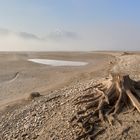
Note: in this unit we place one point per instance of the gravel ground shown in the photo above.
(47, 117)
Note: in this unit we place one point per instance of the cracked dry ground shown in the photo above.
(47, 117)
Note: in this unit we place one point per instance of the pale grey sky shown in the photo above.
(71, 25)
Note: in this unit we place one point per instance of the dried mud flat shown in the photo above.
(48, 117)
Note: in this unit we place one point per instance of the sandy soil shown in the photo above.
(18, 77)
(47, 117)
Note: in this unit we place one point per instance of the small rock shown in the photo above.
(34, 95)
(24, 134)
(33, 113)
(35, 136)
(26, 126)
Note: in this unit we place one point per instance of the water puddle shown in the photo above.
(58, 62)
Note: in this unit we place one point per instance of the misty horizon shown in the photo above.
(69, 26)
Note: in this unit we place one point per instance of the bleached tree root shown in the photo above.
(112, 95)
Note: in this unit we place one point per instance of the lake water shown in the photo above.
(58, 62)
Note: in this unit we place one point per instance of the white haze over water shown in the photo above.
(95, 37)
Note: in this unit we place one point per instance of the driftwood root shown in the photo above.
(112, 95)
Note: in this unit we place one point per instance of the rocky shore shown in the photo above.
(48, 117)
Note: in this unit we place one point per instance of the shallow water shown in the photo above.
(58, 62)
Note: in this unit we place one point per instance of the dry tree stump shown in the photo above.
(114, 94)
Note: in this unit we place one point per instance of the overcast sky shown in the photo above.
(76, 25)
